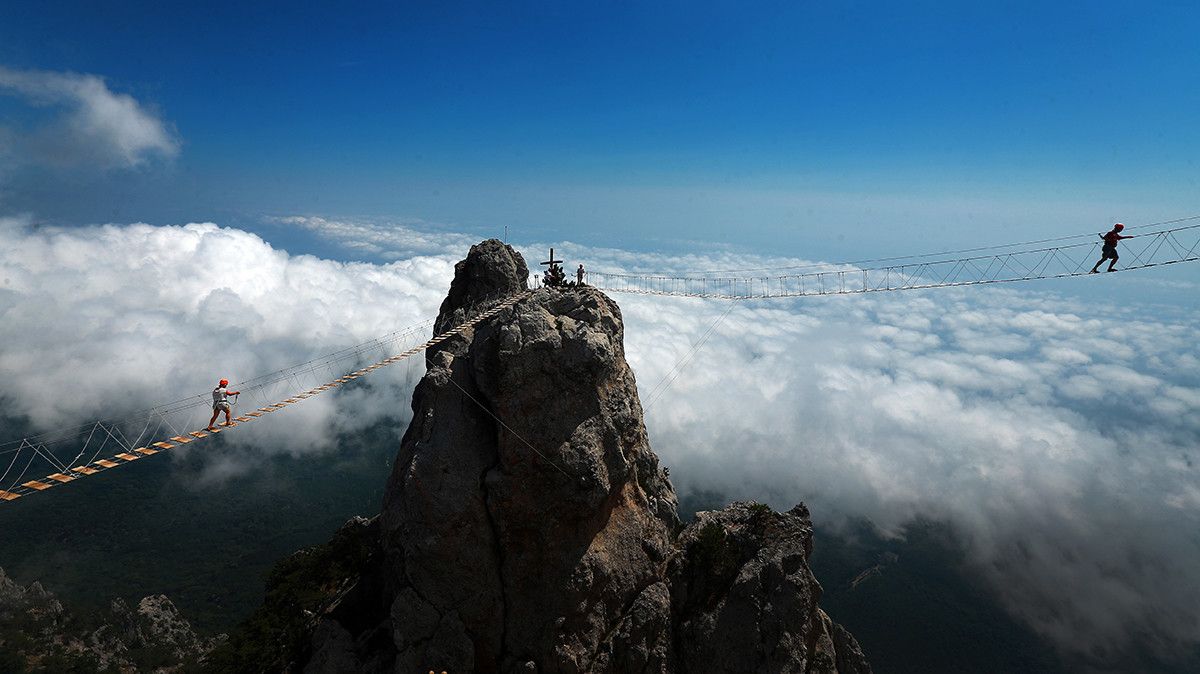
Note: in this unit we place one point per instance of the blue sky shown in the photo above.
(828, 129)
(719, 134)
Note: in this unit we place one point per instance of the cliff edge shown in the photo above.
(528, 527)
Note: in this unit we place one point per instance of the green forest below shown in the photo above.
(150, 528)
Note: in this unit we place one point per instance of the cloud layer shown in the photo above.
(1060, 436)
(389, 241)
(103, 320)
(94, 126)
(1063, 446)
(1060, 439)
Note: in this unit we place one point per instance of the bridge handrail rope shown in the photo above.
(69, 471)
(254, 385)
(1149, 249)
(920, 256)
(849, 266)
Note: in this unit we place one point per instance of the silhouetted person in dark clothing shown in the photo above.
(555, 277)
(1109, 252)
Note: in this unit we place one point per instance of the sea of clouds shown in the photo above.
(98, 322)
(1060, 437)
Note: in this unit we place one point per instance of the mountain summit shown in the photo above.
(528, 527)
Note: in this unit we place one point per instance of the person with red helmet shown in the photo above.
(1109, 252)
(221, 403)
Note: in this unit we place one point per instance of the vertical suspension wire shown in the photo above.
(32, 455)
(73, 462)
(44, 452)
(137, 441)
(16, 455)
(50, 456)
(122, 442)
(85, 444)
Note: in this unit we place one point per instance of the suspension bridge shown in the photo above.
(169, 420)
(166, 427)
(1067, 257)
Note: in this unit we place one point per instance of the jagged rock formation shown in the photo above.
(37, 632)
(528, 527)
(34, 602)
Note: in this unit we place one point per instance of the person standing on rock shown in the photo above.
(221, 403)
(1109, 252)
(579, 273)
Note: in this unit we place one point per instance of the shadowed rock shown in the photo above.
(35, 628)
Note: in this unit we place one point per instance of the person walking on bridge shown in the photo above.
(221, 403)
(1109, 251)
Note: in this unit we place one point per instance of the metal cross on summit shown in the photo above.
(554, 276)
(552, 261)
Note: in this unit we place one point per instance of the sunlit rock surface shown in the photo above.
(528, 527)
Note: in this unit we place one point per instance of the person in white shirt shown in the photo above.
(221, 403)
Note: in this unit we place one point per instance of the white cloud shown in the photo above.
(98, 127)
(103, 320)
(1061, 445)
(1063, 470)
(1064, 446)
(388, 241)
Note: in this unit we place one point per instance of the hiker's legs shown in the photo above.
(213, 420)
(1106, 254)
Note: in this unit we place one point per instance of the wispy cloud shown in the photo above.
(383, 240)
(93, 126)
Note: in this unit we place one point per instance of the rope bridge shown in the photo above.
(1142, 251)
(170, 431)
(165, 427)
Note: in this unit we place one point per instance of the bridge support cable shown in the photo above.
(171, 414)
(1144, 250)
(16, 455)
(185, 409)
(669, 378)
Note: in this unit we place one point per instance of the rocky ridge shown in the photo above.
(528, 527)
(37, 632)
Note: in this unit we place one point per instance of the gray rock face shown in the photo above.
(743, 571)
(490, 269)
(528, 527)
(33, 601)
(155, 626)
(162, 623)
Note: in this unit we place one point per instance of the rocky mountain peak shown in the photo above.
(491, 269)
(528, 527)
(526, 509)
